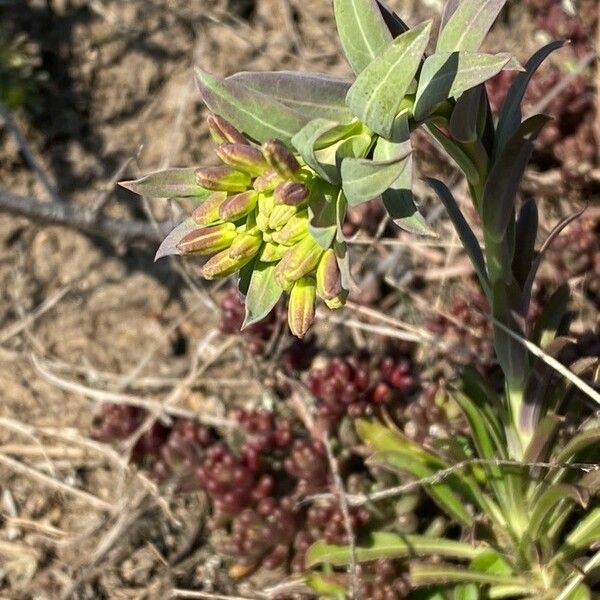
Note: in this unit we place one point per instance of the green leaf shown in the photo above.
(468, 24)
(305, 93)
(525, 238)
(170, 183)
(491, 561)
(543, 508)
(465, 233)
(547, 325)
(505, 177)
(510, 115)
(256, 114)
(467, 591)
(169, 245)
(263, 293)
(465, 116)
(325, 586)
(362, 31)
(322, 224)
(389, 545)
(448, 75)
(585, 533)
(455, 152)
(377, 94)
(422, 574)
(364, 179)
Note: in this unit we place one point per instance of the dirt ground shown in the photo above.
(84, 320)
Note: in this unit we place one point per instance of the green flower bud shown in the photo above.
(208, 211)
(298, 261)
(223, 179)
(243, 157)
(281, 159)
(223, 132)
(245, 246)
(338, 302)
(294, 230)
(222, 265)
(280, 215)
(238, 206)
(290, 193)
(272, 252)
(329, 278)
(208, 240)
(301, 307)
(268, 181)
(265, 205)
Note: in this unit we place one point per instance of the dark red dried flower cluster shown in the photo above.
(358, 387)
(383, 580)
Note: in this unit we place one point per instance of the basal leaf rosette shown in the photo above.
(267, 216)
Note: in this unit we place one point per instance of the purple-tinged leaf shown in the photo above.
(448, 75)
(505, 177)
(254, 113)
(362, 31)
(170, 243)
(510, 115)
(465, 233)
(170, 183)
(465, 116)
(262, 294)
(378, 92)
(449, 9)
(548, 324)
(525, 237)
(395, 24)
(309, 94)
(468, 25)
(544, 432)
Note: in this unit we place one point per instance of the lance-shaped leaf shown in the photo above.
(389, 545)
(365, 179)
(254, 113)
(306, 93)
(468, 24)
(510, 115)
(525, 237)
(170, 183)
(464, 122)
(263, 293)
(548, 324)
(395, 24)
(465, 233)
(322, 211)
(505, 177)
(425, 574)
(449, 9)
(170, 243)
(585, 533)
(362, 31)
(377, 94)
(448, 75)
(316, 136)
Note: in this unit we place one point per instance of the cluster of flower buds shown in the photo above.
(259, 211)
(358, 386)
(383, 580)
(307, 464)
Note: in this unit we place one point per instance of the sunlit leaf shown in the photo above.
(306, 93)
(377, 94)
(263, 293)
(362, 31)
(170, 243)
(468, 22)
(254, 113)
(422, 574)
(170, 183)
(448, 75)
(322, 224)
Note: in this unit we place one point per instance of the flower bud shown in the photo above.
(222, 265)
(223, 132)
(338, 302)
(329, 278)
(245, 246)
(301, 307)
(208, 240)
(294, 230)
(265, 205)
(223, 179)
(272, 252)
(268, 181)
(243, 157)
(290, 193)
(208, 211)
(280, 215)
(298, 261)
(281, 159)
(238, 206)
